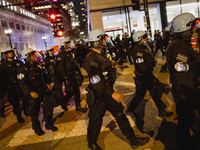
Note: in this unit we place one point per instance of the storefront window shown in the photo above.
(174, 8)
(117, 21)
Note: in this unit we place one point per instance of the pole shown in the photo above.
(146, 10)
(10, 41)
(129, 20)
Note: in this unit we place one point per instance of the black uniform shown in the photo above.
(118, 47)
(2, 94)
(144, 78)
(13, 90)
(52, 72)
(126, 46)
(71, 74)
(183, 64)
(101, 75)
(32, 78)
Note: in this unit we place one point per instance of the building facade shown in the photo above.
(28, 29)
(118, 17)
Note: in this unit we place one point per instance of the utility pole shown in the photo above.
(146, 10)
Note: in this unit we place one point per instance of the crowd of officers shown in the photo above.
(40, 81)
(35, 82)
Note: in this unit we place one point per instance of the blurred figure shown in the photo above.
(143, 76)
(9, 70)
(37, 88)
(53, 74)
(71, 74)
(184, 64)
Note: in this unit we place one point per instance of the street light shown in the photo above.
(8, 33)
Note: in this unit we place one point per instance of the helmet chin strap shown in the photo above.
(96, 44)
(142, 42)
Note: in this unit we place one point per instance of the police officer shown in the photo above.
(144, 78)
(126, 49)
(50, 64)
(36, 87)
(101, 76)
(9, 70)
(167, 39)
(70, 72)
(118, 47)
(183, 64)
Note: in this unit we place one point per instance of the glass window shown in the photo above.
(23, 27)
(18, 26)
(27, 28)
(11, 25)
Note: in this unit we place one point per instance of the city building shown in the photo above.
(118, 16)
(28, 29)
(61, 24)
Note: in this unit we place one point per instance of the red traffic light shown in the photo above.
(60, 33)
(53, 16)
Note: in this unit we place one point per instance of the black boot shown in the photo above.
(94, 146)
(2, 115)
(51, 127)
(136, 142)
(64, 107)
(81, 109)
(164, 114)
(39, 132)
(20, 119)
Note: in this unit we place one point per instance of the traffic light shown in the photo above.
(52, 16)
(60, 33)
(136, 5)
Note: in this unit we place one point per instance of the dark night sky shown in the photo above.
(76, 5)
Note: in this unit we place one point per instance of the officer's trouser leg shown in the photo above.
(14, 99)
(96, 114)
(117, 111)
(47, 110)
(2, 106)
(185, 118)
(140, 93)
(34, 117)
(77, 96)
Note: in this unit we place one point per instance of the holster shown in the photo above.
(90, 97)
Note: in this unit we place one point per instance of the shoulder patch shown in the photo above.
(139, 60)
(9, 65)
(94, 64)
(52, 60)
(181, 67)
(95, 79)
(18, 64)
(20, 76)
(139, 54)
(182, 58)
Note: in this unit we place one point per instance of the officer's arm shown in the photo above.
(21, 76)
(98, 83)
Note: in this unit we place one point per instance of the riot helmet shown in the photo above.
(95, 37)
(139, 36)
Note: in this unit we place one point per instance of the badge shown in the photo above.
(181, 67)
(139, 60)
(139, 54)
(58, 58)
(105, 73)
(182, 58)
(20, 76)
(52, 60)
(17, 64)
(39, 66)
(95, 79)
